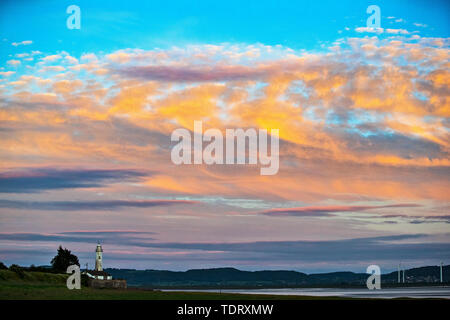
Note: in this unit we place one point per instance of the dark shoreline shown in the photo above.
(384, 286)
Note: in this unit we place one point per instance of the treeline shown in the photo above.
(63, 259)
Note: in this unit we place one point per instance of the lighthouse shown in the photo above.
(98, 258)
(99, 278)
(98, 272)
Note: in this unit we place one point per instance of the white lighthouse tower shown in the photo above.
(98, 258)
(98, 272)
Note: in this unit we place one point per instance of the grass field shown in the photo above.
(47, 286)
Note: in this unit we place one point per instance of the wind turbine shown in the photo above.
(403, 274)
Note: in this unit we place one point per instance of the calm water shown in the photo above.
(419, 292)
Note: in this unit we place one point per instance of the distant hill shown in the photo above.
(231, 277)
(207, 277)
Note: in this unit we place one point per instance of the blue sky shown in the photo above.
(112, 25)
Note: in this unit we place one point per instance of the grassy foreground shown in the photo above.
(47, 286)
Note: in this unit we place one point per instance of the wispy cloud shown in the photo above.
(41, 179)
(323, 211)
(22, 43)
(193, 74)
(381, 30)
(419, 219)
(89, 205)
(84, 236)
(13, 62)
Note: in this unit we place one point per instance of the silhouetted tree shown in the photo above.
(2, 266)
(63, 259)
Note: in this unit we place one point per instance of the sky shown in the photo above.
(86, 117)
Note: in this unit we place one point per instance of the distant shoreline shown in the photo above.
(232, 278)
(423, 292)
(384, 286)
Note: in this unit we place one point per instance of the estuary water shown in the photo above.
(388, 293)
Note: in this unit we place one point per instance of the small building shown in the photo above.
(99, 275)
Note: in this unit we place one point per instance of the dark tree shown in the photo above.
(2, 266)
(63, 259)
